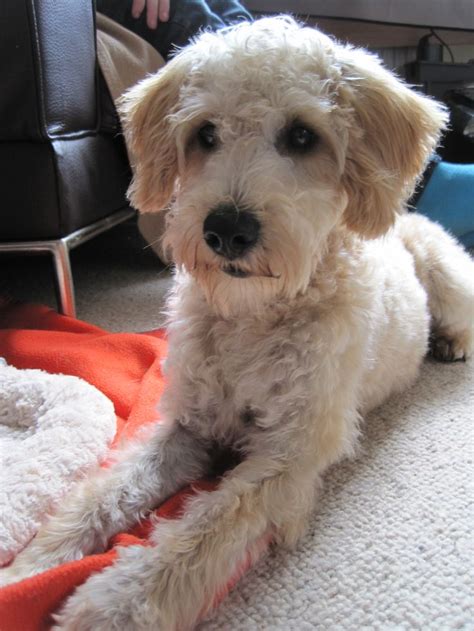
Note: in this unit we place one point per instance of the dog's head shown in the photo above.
(264, 138)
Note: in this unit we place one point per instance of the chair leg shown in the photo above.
(63, 277)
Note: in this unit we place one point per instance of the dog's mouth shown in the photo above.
(235, 272)
(238, 272)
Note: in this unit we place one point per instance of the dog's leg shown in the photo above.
(113, 500)
(168, 587)
(446, 271)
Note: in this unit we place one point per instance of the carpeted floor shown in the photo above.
(390, 547)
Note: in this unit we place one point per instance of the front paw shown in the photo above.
(35, 559)
(116, 599)
(9, 575)
(83, 613)
(23, 566)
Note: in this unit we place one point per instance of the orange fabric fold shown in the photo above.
(124, 366)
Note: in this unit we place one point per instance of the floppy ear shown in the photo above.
(144, 111)
(394, 132)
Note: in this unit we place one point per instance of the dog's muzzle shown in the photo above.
(231, 232)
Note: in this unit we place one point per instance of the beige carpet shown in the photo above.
(390, 547)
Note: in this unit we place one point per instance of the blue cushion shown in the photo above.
(448, 198)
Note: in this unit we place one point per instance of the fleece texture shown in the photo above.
(53, 429)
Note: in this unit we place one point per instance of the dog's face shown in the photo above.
(266, 137)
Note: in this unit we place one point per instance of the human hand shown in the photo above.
(156, 11)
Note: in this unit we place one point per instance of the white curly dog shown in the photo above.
(304, 296)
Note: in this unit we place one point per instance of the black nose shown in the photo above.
(231, 232)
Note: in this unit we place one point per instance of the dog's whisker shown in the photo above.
(156, 241)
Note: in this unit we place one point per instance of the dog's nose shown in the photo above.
(231, 232)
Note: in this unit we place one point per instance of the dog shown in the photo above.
(304, 296)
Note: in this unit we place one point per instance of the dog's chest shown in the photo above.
(232, 378)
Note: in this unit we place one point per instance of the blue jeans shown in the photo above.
(186, 18)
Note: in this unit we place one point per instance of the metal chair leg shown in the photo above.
(63, 278)
(60, 249)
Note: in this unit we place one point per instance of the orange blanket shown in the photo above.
(125, 367)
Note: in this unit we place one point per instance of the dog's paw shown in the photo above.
(9, 575)
(120, 598)
(24, 566)
(447, 348)
(16, 572)
(35, 559)
(83, 613)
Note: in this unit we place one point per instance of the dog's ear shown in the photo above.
(394, 132)
(144, 111)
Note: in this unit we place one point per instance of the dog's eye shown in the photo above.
(299, 139)
(207, 136)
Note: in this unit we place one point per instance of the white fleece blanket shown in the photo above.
(53, 428)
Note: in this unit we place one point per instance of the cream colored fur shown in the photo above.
(333, 316)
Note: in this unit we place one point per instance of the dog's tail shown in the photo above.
(446, 271)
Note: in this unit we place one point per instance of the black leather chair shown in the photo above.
(64, 169)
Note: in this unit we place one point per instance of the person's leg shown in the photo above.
(187, 17)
